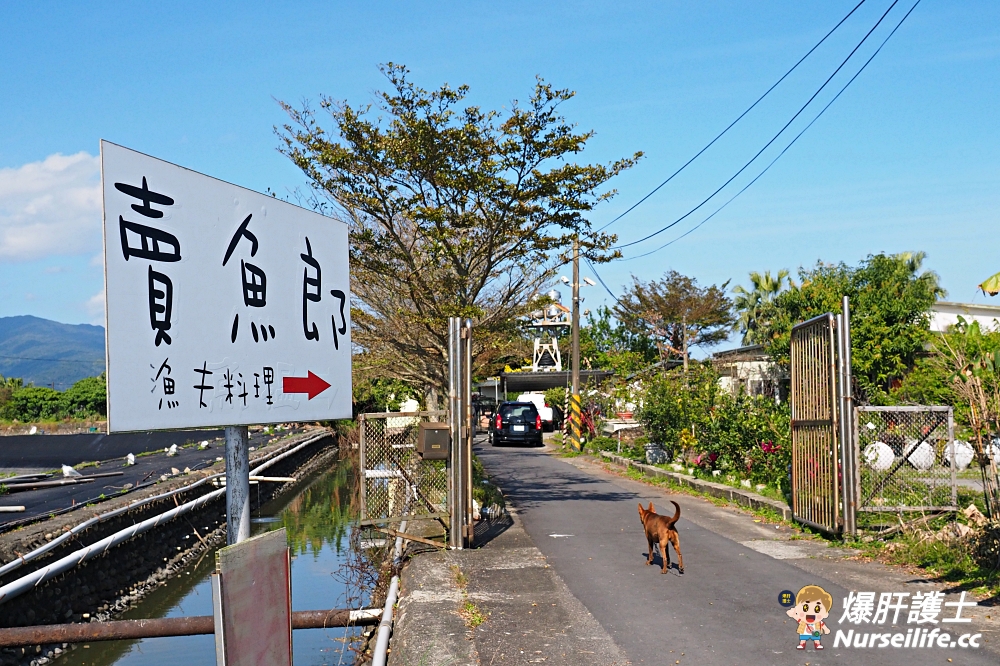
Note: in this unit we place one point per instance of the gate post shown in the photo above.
(456, 490)
(848, 459)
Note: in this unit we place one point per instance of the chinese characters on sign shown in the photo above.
(199, 317)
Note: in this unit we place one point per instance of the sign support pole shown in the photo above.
(237, 484)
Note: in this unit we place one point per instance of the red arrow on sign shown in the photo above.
(311, 384)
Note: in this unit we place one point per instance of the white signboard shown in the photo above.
(224, 306)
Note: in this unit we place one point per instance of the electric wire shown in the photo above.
(738, 119)
(747, 186)
(768, 144)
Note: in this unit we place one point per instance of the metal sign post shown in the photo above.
(225, 307)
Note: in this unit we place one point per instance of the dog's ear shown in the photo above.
(641, 510)
(651, 509)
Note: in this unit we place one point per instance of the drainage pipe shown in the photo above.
(38, 552)
(385, 626)
(270, 458)
(23, 584)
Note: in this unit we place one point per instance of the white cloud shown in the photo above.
(95, 308)
(52, 207)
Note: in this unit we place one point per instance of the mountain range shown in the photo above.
(48, 353)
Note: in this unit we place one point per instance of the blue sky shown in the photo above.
(906, 159)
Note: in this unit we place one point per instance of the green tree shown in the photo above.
(88, 397)
(36, 403)
(748, 302)
(890, 297)
(606, 344)
(677, 313)
(451, 211)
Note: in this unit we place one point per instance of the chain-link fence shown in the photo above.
(908, 459)
(397, 484)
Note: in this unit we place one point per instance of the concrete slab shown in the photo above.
(531, 616)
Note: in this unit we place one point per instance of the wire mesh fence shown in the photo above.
(397, 484)
(908, 459)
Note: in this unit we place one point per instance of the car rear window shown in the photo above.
(524, 411)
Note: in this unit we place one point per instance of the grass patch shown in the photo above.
(483, 491)
(468, 611)
(949, 561)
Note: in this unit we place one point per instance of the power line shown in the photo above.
(747, 186)
(738, 119)
(768, 144)
(52, 360)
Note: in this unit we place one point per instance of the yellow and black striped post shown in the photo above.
(575, 423)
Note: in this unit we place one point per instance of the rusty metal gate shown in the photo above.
(815, 424)
(396, 483)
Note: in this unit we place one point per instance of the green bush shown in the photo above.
(705, 427)
(36, 403)
(85, 399)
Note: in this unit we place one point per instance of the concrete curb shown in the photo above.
(735, 495)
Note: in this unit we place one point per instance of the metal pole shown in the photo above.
(468, 425)
(237, 484)
(455, 489)
(850, 444)
(118, 630)
(575, 389)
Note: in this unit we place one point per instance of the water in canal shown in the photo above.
(318, 520)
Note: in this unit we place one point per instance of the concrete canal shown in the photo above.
(318, 522)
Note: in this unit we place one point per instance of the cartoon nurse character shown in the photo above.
(812, 605)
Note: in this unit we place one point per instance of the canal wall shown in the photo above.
(114, 581)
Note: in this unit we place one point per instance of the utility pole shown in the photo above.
(684, 331)
(574, 401)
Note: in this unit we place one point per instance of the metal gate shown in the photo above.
(396, 483)
(908, 459)
(815, 424)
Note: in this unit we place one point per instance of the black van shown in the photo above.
(516, 423)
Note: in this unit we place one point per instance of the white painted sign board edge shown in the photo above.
(210, 307)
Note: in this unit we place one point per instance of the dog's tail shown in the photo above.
(677, 513)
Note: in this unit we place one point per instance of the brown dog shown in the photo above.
(660, 529)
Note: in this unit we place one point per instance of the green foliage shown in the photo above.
(607, 344)
(706, 427)
(453, 210)
(748, 303)
(382, 395)
(85, 399)
(890, 301)
(677, 408)
(36, 403)
(88, 397)
(677, 312)
(556, 397)
(484, 492)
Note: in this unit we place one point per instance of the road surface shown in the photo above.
(724, 609)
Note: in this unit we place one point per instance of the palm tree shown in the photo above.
(747, 302)
(914, 262)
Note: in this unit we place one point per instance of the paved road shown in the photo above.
(724, 610)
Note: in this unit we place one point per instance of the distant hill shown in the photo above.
(44, 352)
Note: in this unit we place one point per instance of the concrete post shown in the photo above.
(237, 484)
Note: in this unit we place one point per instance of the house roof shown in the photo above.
(747, 353)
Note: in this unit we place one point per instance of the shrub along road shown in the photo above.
(725, 608)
